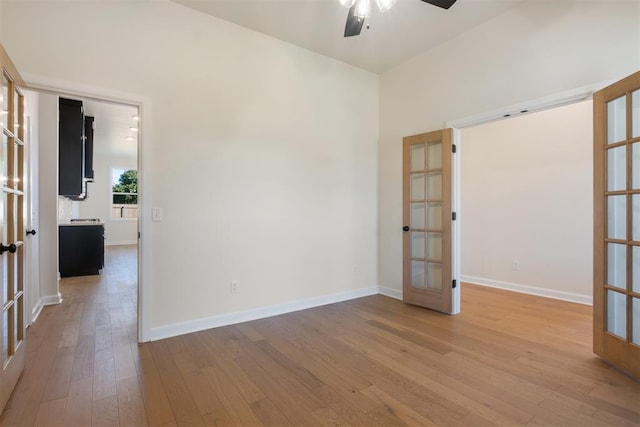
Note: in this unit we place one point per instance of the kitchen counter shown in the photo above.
(78, 223)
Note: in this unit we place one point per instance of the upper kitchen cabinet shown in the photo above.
(88, 148)
(75, 136)
(71, 154)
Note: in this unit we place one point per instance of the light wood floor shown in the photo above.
(508, 359)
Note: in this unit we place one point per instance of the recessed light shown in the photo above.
(133, 129)
(135, 117)
(129, 138)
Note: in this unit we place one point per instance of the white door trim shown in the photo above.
(547, 102)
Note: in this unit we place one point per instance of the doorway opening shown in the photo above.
(110, 204)
(526, 201)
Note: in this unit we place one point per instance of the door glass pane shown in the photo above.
(635, 320)
(635, 223)
(17, 322)
(434, 155)
(617, 313)
(16, 275)
(635, 165)
(636, 269)
(617, 265)
(635, 113)
(617, 217)
(14, 336)
(4, 102)
(417, 216)
(434, 275)
(20, 319)
(434, 246)
(16, 114)
(3, 161)
(417, 274)
(5, 336)
(5, 240)
(617, 120)
(417, 186)
(434, 186)
(617, 168)
(417, 157)
(16, 166)
(417, 244)
(434, 216)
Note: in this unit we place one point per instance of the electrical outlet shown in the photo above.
(515, 266)
(355, 269)
(234, 287)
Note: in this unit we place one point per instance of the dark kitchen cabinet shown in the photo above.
(71, 157)
(81, 250)
(88, 148)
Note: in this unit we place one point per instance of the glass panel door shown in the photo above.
(617, 224)
(427, 215)
(12, 171)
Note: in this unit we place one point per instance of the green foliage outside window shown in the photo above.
(126, 190)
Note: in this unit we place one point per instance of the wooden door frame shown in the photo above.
(144, 105)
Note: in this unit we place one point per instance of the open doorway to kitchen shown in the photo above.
(94, 234)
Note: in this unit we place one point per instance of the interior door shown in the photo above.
(427, 216)
(616, 293)
(12, 230)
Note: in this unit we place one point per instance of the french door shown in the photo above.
(427, 216)
(616, 293)
(12, 229)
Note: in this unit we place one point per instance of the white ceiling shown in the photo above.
(408, 28)
(111, 128)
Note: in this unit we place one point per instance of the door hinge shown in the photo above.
(138, 234)
(453, 148)
(453, 216)
(453, 283)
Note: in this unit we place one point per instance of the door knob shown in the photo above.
(405, 228)
(32, 232)
(11, 248)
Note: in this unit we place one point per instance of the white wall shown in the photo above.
(534, 50)
(97, 205)
(48, 197)
(264, 154)
(527, 197)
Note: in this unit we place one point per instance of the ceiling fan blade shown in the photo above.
(354, 24)
(445, 4)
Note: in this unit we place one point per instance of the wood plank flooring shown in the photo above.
(508, 359)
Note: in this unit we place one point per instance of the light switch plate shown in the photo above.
(156, 214)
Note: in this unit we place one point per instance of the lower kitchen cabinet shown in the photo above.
(81, 250)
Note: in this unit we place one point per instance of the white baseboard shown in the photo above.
(531, 290)
(391, 293)
(258, 313)
(51, 299)
(121, 243)
(36, 311)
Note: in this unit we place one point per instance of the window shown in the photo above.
(124, 193)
